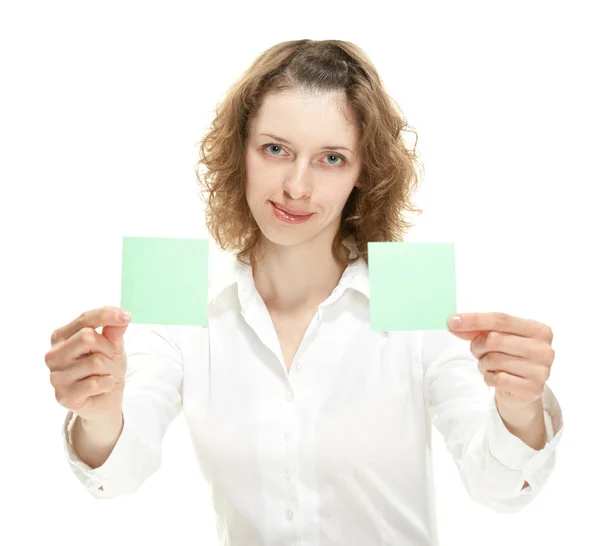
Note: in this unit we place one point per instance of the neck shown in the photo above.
(294, 278)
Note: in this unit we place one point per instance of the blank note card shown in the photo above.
(165, 280)
(412, 285)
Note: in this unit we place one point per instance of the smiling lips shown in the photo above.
(289, 216)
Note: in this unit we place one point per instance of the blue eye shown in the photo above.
(274, 145)
(335, 155)
(328, 156)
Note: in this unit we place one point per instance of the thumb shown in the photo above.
(115, 334)
(469, 336)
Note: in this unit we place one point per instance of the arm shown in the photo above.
(527, 424)
(151, 401)
(94, 442)
(498, 469)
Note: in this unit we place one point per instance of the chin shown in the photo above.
(285, 235)
(282, 238)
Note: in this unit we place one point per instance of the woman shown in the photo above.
(310, 427)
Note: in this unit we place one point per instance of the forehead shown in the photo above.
(300, 116)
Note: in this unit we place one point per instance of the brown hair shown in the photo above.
(389, 174)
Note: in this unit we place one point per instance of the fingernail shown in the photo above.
(454, 322)
(124, 316)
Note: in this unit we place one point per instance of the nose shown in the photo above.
(298, 184)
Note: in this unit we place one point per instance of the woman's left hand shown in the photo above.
(515, 354)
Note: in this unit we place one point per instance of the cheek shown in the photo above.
(259, 177)
(252, 161)
(336, 195)
(252, 177)
(250, 168)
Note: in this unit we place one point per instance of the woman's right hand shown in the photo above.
(87, 369)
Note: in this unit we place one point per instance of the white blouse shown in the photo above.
(338, 450)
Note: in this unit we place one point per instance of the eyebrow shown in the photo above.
(274, 137)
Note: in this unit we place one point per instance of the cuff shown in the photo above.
(511, 451)
(117, 460)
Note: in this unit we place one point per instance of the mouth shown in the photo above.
(288, 216)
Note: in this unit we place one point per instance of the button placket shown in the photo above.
(289, 413)
(291, 418)
(290, 456)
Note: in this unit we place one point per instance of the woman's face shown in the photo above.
(301, 165)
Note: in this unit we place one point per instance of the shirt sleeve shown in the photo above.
(151, 401)
(493, 463)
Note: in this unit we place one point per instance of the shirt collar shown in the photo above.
(233, 272)
(222, 274)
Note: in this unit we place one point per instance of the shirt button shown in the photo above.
(288, 435)
(288, 474)
(289, 396)
(298, 368)
(289, 515)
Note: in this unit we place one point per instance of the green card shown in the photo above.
(165, 281)
(412, 285)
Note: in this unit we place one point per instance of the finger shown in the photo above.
(94, 364)
(84, 342)
(502, 343)
(523, 389)
(76, 396)
(115, 335)
(103, 316)
(519, 367)
(468, 336)
(502, 322)
(499, 362)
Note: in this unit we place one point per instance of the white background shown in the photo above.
(102, 104)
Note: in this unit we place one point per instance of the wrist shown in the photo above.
(520, 415)
(525, 422)
(103, 429)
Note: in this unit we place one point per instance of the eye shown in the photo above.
(277, 148)
(328, 156)
(272, 145)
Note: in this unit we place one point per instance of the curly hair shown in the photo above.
(389, 175)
